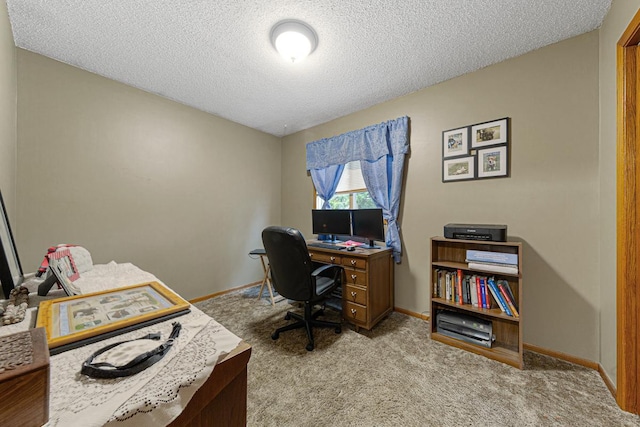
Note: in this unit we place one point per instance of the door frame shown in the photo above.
(627, 216)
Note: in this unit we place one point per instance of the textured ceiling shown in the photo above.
(215, 55)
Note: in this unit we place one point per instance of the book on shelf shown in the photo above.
(493, 267)
(459, 294)
(483, 292)
(497, 296)
(505, 290)
(441, 287)
(488, 256)
(473, 291)
(466, 299)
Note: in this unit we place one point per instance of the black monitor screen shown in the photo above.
(368, 223)
(331, 221)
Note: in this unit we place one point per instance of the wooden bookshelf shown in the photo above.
(450, 255)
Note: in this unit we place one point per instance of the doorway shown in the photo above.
(628, 215)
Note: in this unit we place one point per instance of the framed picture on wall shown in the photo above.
(455, 142)
(489, 133)
(458, 169)
(493, 162)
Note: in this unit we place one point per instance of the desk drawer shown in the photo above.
(354, 262)
(355, 312)
(355, 294)
(325, 258)
(355, 277)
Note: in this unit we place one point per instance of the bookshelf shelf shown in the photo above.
(489, 312)
(449, 255)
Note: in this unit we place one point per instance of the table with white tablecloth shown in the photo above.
(159, 394)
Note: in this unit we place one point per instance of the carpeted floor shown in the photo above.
(395, 375)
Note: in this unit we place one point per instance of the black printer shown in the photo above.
(489, 232)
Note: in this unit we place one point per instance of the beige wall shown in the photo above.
(7, 114)
(137, 178)
(614, 25)
(550, 202)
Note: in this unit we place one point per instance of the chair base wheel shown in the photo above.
(275, 336)
(338, 330)
(287, 316)
(309, 347)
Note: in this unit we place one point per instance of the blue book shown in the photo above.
(499, 298)
(492, 257)
(483, 293)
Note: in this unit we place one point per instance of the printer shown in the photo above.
(488, 232)
(465, 328)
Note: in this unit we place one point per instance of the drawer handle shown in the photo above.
(332, 258)
(353, 262)
(354, 277)
(353, 295)
(353, 312)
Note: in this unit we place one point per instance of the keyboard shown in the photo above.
(325, 246)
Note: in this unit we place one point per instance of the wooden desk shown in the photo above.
(222, 399)
(367, 284)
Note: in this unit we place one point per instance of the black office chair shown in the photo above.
(294, 277)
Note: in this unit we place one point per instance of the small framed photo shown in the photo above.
(64, 268)
(458, 169)
(455, 142)
(489, 133)
(493, 162)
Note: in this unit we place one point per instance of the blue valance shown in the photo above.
(368, 144)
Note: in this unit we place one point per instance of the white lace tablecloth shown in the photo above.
(153, 397)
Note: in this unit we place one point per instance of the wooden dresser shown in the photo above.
(367, 285)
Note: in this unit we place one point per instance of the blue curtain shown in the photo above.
(383, 178)
(381, 150)
(326, 181)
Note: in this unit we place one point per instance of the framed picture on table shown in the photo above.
(78, 320)
(64, 269)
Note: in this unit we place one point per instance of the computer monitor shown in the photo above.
(331, 222)
(369, 224)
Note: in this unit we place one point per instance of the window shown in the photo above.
(352, 192)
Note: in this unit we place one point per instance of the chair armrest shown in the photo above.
(325, 267)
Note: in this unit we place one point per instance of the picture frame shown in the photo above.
(493, 162)
(458, 169)
(11, 274)
(490, 133)
(64, 269)
(78, 320)
(455, 142)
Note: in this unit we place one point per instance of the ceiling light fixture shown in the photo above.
(293, 39)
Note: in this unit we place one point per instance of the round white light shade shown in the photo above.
(294, 40)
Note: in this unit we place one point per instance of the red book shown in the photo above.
(459, 284)
(479, 291)
(507, 298)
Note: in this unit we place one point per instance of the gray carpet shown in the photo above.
(395, 375)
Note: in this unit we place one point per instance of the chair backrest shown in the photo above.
(290, 263)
